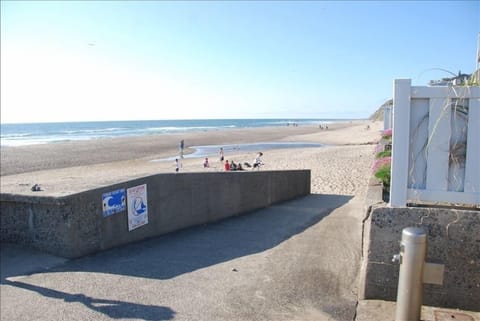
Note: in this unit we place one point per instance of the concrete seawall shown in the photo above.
(75, 225)
(453, 239)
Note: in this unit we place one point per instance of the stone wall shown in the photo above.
(74, 225)
(453, 239)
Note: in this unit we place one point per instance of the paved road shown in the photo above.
(298, 260)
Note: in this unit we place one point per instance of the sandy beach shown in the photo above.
(340, 167)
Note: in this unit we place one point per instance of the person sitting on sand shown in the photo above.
(233, 166)
(257, 161)
(227, 166)
(205, 163)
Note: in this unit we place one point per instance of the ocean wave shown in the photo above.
(39, 141)
(44, 133)
(16, 135)
(100, 130)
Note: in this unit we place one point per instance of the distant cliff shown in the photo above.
(378, 115)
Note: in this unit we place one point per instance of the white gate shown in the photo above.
(436, 145)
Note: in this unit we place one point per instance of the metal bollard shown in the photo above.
(410, 283)
(414, 272)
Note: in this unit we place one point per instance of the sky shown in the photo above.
(149, 60)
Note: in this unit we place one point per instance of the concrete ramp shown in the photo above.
(296, 260)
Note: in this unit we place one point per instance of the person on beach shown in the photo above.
(221, 154)
(182, 146)
(257, 162)
(227, 166)
(233, 166)
(205, 163)
(177, 165)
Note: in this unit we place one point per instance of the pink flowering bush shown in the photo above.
(382, 165)
(381, 162)
(379, 148)
(387, 135)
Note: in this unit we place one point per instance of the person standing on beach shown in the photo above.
(177, 165)
(182, 146)
(221, 154)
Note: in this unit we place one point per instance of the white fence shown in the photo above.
(387, 117)
(436, 145)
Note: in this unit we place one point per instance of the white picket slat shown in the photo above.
(438, 144)
(400, 142)
(442, 92)
(417, 195)
(472, 163)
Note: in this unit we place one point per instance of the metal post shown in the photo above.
(410, 284)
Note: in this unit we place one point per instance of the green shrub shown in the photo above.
(383, 174)
(384, 154)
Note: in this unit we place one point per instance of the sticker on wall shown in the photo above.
(113, 202)
(137, 206)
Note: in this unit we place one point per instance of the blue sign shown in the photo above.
(113, 202)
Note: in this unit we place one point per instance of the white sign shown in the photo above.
(137, 206)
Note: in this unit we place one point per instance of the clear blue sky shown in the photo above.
(119, 60)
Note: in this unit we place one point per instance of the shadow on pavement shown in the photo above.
(113, 308)
(16, 260)
(185, 251)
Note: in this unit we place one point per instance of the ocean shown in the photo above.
(48, 133)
